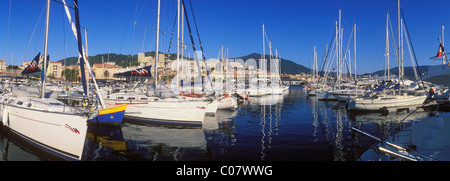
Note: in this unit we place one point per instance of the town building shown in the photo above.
(55, 70)
(106, 70)
(2, 66)
(149, 60)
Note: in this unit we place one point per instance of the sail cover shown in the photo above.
(380, 87)
(143, 72)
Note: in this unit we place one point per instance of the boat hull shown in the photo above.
(325, 95)
(377, 104)
(344, 96)
(428, 136)
(227, 103)
(111, 115)
(438, 74)
(166, 112)
(62, 135)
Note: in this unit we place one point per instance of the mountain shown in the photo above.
(409, 71)
(287, 66)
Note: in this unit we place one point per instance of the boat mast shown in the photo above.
(337, 52)
(263, 64)
(263, 55)
(178, 45)
(88, 66)
(354, 48)
(82, 53)
(399, 41)
(45, 50)
(182, 45)
(386, 54)
(157, 45)
(80, 47)
(443, 59)
(401, 48)
(314, 63)
(86, 58)
(340, 50)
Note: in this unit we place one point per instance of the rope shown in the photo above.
(414, 53)
(193, 44)
(325, 59)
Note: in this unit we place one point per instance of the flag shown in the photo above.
(141, 72)
(441, 49)
(32, 68)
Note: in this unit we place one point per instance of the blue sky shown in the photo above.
(294, 27)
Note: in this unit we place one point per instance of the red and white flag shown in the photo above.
(441, 49)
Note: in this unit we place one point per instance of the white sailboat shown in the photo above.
(44, 122)
(376, 103)
(326, 93)
(425, 140)
(167, 110)
(352, 90)
(394, 98)
(347, 94)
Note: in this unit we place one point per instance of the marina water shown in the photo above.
(288, 127)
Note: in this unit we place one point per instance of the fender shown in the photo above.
(5, 116)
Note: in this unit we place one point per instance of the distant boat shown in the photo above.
(438, 74)
(378, 102)
(347, 94)
(325, 95)
(397, 97)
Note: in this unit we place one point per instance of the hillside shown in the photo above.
(287, 66)
(409, 72)
(120, 59)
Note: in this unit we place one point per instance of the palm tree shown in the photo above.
(106, 74)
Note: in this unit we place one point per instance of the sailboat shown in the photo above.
(46, 123)
(153, 108)
(394, 98)
(266, 85)
(341, 91)
(425, 140)
(326, 93)
(439, 74)
(106, 115)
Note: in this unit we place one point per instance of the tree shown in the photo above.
(70, 74)
(51, 76)
(106, 74)
(12, 67)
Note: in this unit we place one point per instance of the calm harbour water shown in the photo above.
(288, 127)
